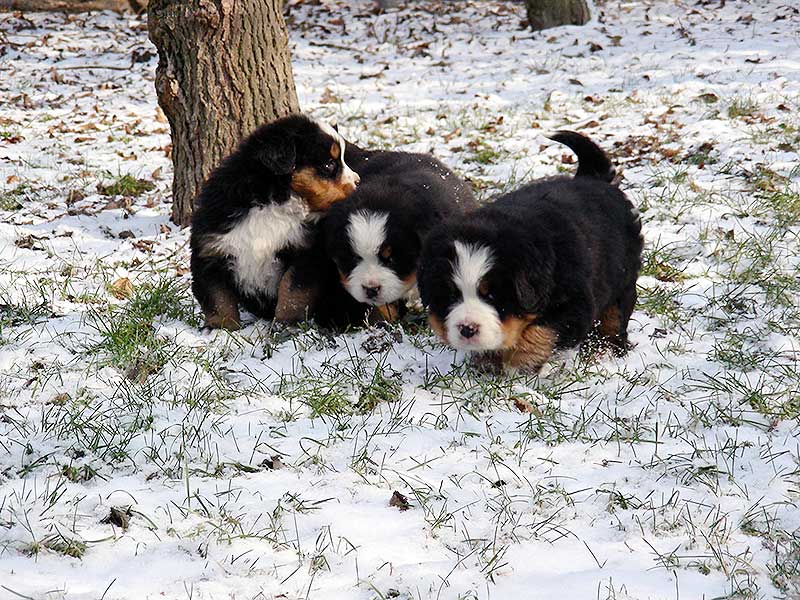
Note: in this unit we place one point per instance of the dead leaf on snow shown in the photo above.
(119, 517)
(328, 97)
(122, 288)
(60, 399)
(273, 463)
(399, 501)
(524, 405)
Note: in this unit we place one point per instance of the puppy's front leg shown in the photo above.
(213, 288)
(533, 349)
(222, 310)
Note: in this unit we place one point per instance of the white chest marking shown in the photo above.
(255, 241)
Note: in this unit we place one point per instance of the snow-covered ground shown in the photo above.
(261, 464)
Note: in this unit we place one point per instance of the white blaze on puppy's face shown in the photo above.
(348, 176)
(472, 323)
(371, 281)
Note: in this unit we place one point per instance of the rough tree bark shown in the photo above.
(223, 69)
(543, 14)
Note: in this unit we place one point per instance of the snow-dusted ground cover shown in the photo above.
(261, 464)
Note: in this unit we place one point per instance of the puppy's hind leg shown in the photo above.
(613, 325)
(295, 301)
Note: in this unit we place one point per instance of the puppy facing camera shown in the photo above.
(375, 237)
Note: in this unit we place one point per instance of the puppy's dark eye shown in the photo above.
(329, 168)
(386, 254)
(485, 292)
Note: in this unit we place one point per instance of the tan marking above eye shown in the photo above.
(386, 251)
(336, 151)
(318, 192)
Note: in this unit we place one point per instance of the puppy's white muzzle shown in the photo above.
(474, 325)
(375, 284)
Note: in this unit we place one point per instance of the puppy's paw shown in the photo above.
(487, 362)
(227, 321)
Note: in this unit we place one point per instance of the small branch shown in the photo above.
(336, 46)
(75, 67)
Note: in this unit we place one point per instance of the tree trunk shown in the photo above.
(223, 69)
(543, 14)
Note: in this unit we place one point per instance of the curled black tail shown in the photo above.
(592, 161)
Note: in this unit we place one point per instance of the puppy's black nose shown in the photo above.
(371, 292)
(468, 330)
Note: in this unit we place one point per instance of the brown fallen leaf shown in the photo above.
(524, 405)
(60, 399)
(399, 501)
(273, 463)
(122, 288)
(119, 517)
(75, 196)
(328, 97)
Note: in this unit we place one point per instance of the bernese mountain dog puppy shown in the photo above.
(370, 243)
(540, 268)
(257, 210)
(375, 237)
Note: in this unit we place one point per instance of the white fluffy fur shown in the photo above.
(348, 175)
(471, 265)
(256, 239)
(366, 231)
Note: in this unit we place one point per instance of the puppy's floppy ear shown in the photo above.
(278, 155)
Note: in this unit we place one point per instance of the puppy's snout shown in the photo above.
(468, 330)
(350, 179)
(371, 292)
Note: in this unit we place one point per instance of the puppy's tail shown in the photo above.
(592, 161)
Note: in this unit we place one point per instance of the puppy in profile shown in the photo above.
(538, 269)
(371, 241)
(257, 210)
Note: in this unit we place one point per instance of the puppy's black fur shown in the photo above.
(416, 192)
(255, 212)
(566, 254)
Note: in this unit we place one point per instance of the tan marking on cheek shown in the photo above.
(534, 347)
(344, 279)
(410, 279)
(610, 322)
(336, 151)
(438, 327)
(512, 328)
(318, 192)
